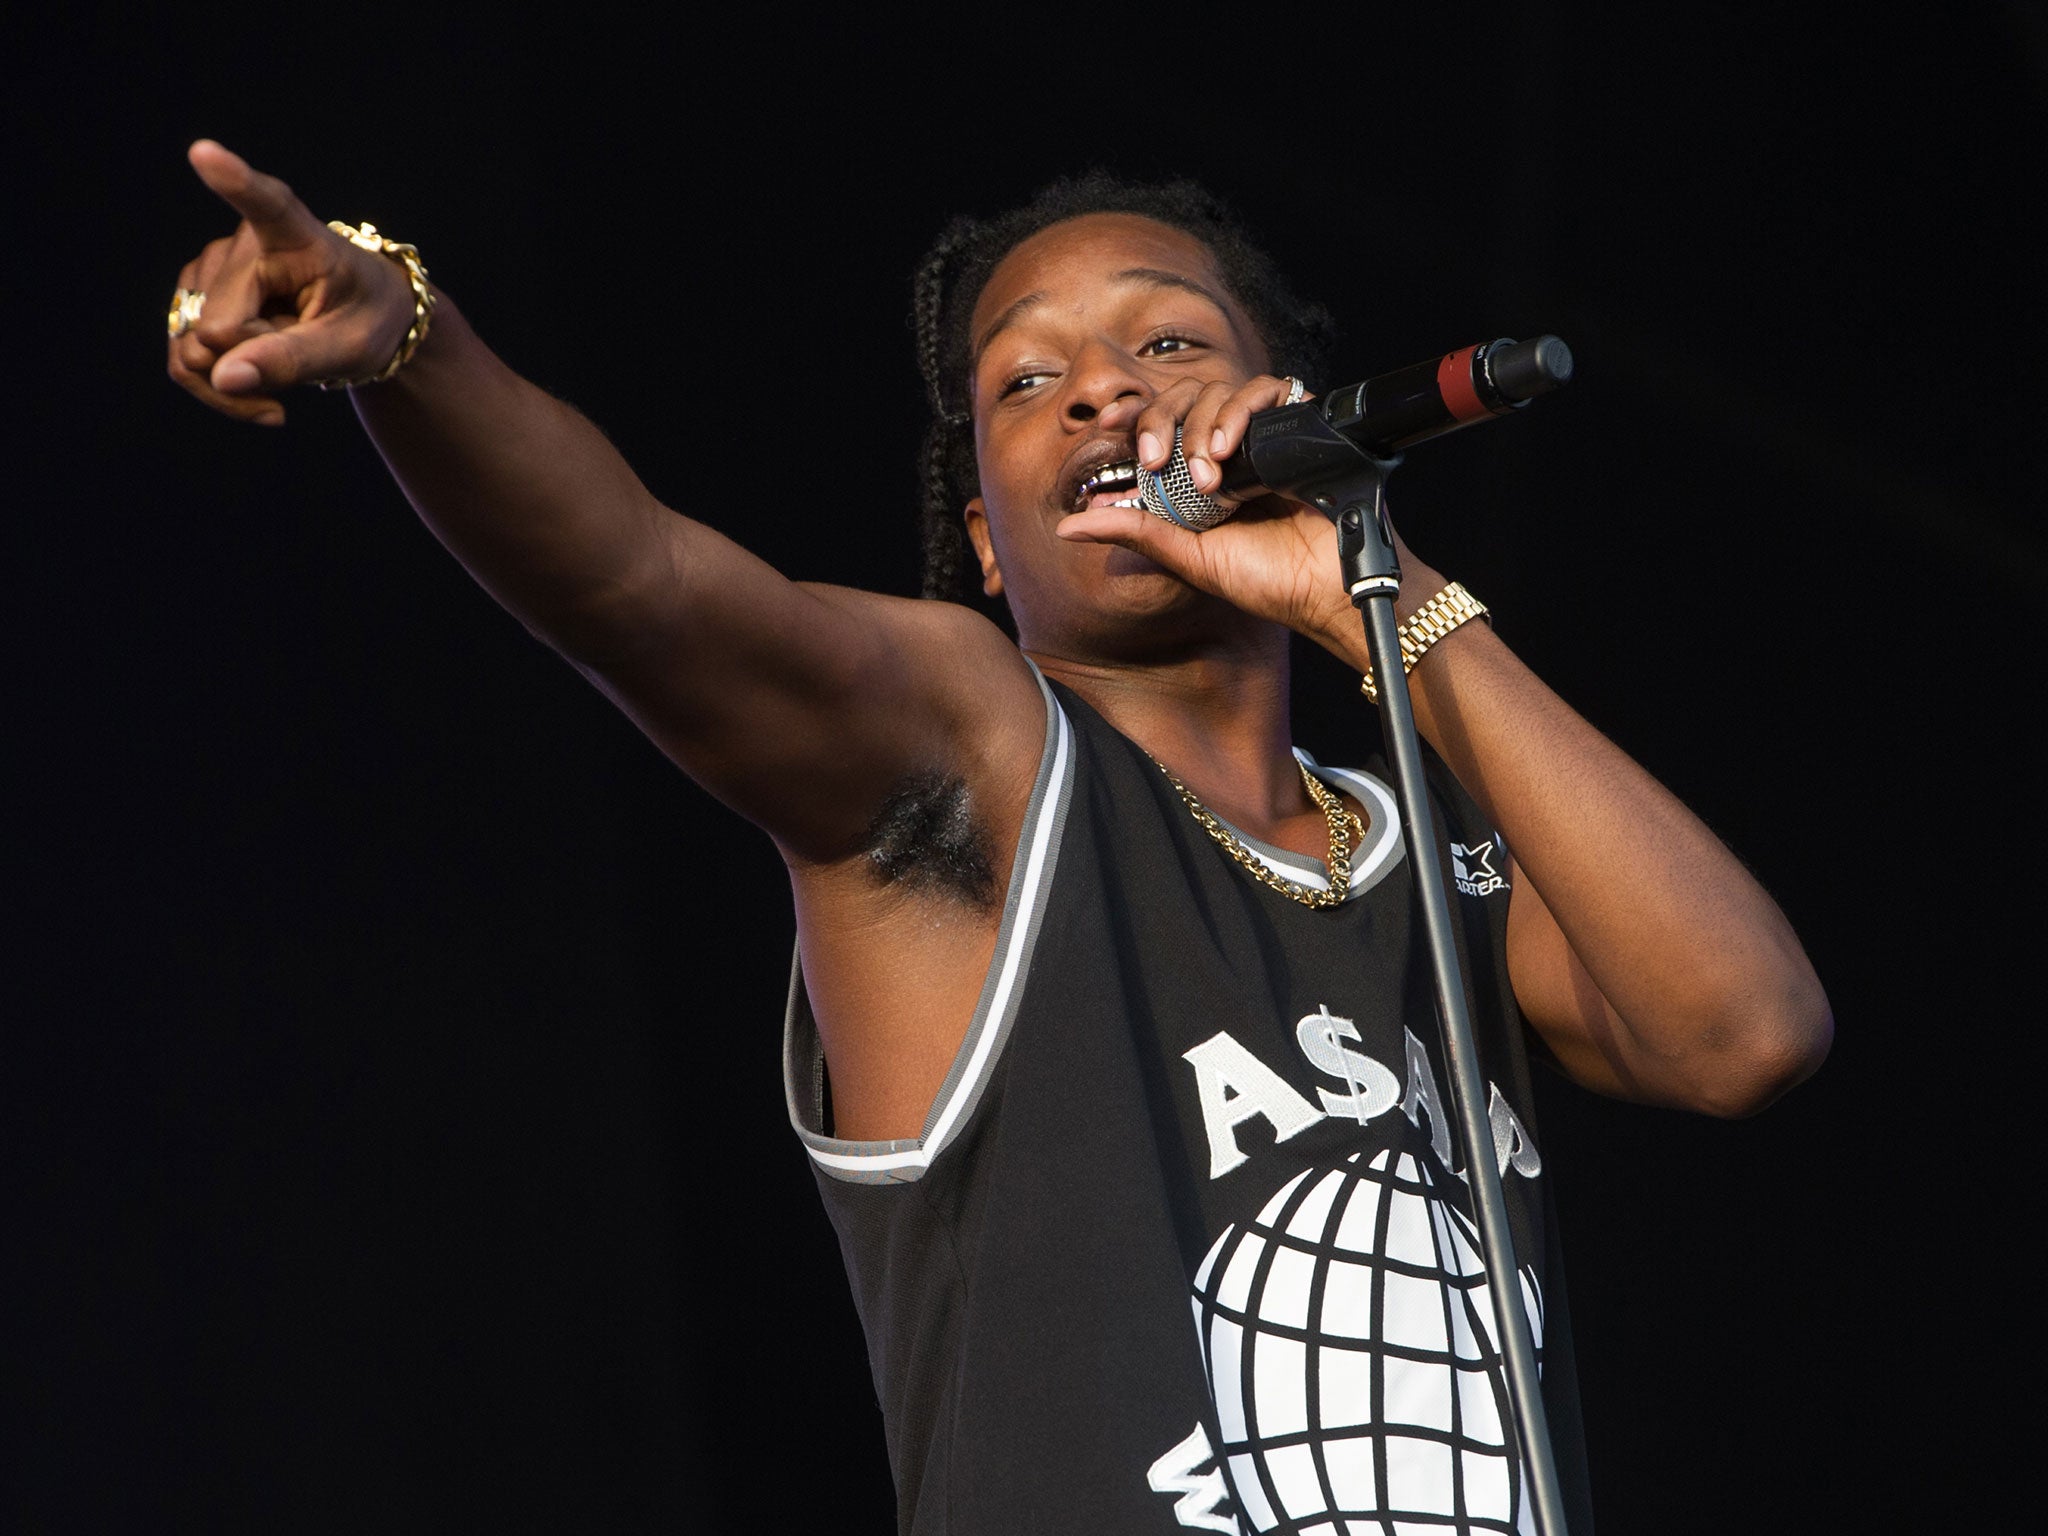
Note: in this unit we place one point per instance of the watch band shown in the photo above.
(1427, 625)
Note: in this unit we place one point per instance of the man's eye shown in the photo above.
(1166, 345)
(1024, 381)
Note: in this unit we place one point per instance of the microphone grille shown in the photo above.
(1170, 493)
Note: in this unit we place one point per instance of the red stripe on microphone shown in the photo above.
(1454, 383)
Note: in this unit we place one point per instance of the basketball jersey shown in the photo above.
(1185, 1241)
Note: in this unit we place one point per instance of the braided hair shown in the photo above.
(953, 272)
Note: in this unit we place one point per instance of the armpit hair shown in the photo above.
(927, 839)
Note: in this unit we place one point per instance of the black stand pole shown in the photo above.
(1372, 575)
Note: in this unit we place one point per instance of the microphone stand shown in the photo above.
(1357, 500)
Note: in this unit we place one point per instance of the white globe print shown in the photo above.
(1348, 1334)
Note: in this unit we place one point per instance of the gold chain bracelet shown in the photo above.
(366, 238)
(1427, 625)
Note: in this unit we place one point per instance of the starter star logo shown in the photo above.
(1473, 868)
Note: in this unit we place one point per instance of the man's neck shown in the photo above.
(1217, 717)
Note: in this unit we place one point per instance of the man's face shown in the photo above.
(1077, 329)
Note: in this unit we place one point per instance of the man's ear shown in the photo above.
(976, 517)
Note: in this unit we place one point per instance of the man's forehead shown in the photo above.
(1095, 250)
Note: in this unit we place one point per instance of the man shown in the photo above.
(1108, 1005)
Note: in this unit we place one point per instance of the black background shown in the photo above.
(397, 1136)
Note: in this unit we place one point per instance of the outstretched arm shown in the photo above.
(800, 706)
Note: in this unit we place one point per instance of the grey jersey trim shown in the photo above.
(1382, 850)
(1031, 872)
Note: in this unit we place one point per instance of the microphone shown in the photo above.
(1292, 448)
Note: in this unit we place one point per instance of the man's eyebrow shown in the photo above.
(1159, 277)
(1007, 318)
(1151, 277)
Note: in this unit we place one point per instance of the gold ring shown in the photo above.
(185, 306)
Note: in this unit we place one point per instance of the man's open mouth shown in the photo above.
(1105, 475)
(1114, 485)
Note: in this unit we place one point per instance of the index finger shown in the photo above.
(1260, 393)
(1159, 418)
(280, 221)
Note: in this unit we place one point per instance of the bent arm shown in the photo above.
(1646, 956)
(1651, 962)
(1639, 947)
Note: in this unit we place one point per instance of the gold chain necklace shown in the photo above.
(1344, 825)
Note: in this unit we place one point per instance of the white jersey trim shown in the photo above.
(1381, 851)
(1031, 875)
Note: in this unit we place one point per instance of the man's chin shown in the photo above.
(1142, 590)
(1123, 563)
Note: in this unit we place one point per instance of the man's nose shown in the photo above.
(1098, 377)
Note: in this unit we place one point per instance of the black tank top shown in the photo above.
(1185, 1242)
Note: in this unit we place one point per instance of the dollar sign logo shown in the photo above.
(1370, 1088)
